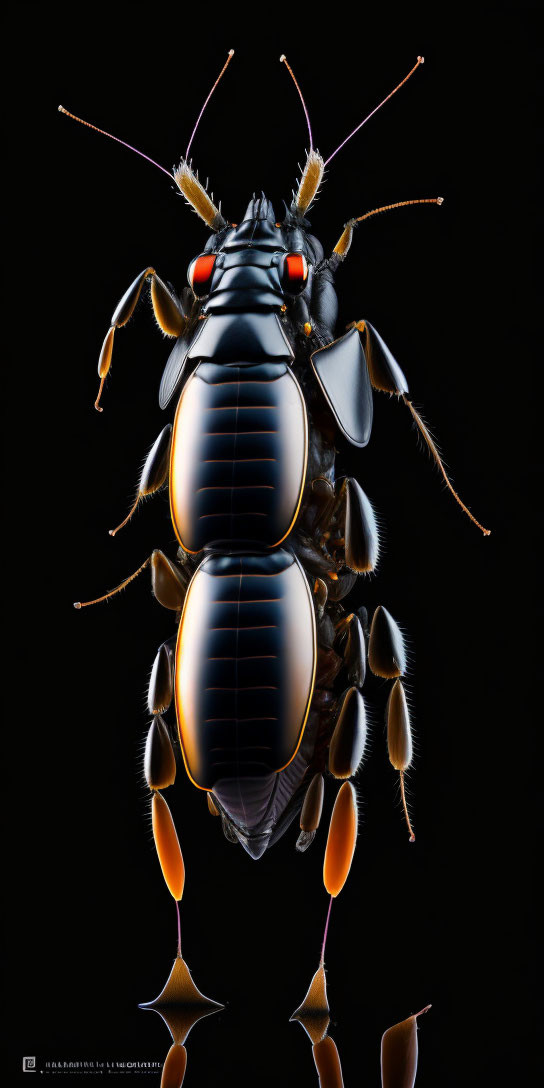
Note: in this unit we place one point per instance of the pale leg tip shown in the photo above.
(422, 1011)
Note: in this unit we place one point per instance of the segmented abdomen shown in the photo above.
(245, 664)
(239, 455)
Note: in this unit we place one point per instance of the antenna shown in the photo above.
(283, 60)
(400, 204)
(117, 140)
(222, 72)
(344, 242)
(419, 61)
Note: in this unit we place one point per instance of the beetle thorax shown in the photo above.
(256, 265)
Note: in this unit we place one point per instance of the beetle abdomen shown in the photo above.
(245, 666)
(239, 455)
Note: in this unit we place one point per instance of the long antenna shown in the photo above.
(419, 61)
(117, 140)
(400, 204)
(222, 72)
(344, 242)
(283, 60)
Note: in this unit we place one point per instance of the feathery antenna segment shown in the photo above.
(382, 103)
(283, 60)
(117, 140)
(221, 74)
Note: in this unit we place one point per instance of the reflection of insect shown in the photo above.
(267, 665)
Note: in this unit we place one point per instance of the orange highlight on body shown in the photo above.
(168, 848)
(327, 1063)
(341, 840)
(173, 1071)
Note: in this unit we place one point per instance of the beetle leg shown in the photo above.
(399, 741)
(167, 846)
(355, 524)
(319, 505)
(387, 376)
(161, 683)
(337, 864)
(167, 310)
(350, 642)
(310, 815)
(154, 473)
(385, 373)
(113, 592)
(321, 594)
(387, 658)
(399, 1051)
(168, 583)
(175, 1064)
(386, 653)
(314, 1013)
(347, 747)
(361, 541)
(327, 1062)
(160, 762)
(166, 307)
(340, 843)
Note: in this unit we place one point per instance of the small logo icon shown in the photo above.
(29, 1065)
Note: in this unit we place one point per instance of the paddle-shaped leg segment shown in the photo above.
(387, 376)
(313, 1013)
(154, 473)
(168, 581)
(387, 658)
(167, 310)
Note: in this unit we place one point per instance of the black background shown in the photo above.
(452, 291)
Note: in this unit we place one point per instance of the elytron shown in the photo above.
(259, 688)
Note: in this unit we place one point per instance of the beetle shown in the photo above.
(262, 680)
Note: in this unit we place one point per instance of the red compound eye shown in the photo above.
(200, 273)
(295, 272)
